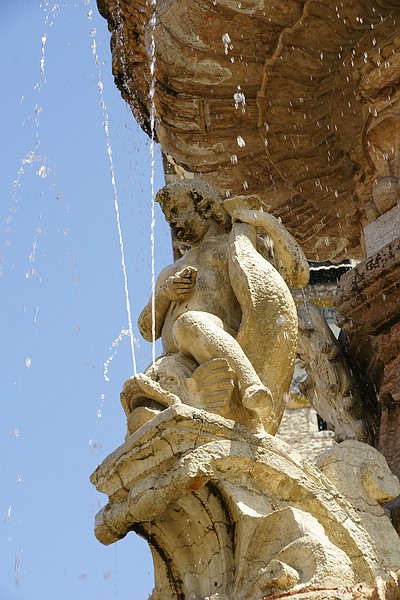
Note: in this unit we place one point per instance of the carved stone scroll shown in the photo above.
(330, 386)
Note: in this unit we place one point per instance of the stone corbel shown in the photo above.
(234, 515)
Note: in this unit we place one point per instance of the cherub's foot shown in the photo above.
(258, 398)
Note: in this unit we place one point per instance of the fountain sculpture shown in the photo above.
(230, 511)
(297, 106)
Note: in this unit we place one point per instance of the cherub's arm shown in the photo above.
(161, 305)
(289, 257)
(170, 287)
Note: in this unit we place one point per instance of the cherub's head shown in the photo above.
(190, 206)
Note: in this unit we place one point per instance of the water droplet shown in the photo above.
(114, 347)
(17, 564)
(43, 172)
(226, 40)
(7, 516)
(28, 362)
(95, 445)
(239, 99)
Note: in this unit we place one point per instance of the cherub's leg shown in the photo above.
(202, 336)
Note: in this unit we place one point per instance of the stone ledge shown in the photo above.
(381, 231)
(368, 296)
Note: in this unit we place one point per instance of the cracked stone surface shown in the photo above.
(243, 516)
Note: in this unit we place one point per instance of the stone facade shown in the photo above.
(368, 305)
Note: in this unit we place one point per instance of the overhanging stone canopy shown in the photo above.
(295, 101)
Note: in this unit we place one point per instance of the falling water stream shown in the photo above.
(152, 129)
(32, 158)
(64, 403)
(114, 186)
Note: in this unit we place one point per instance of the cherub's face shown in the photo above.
(188, 225)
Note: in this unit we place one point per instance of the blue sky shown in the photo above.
(63, 301)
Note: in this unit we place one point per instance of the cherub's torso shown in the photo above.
(212, 293)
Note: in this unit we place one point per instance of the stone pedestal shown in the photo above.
(231, 515)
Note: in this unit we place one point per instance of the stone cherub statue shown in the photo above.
(223, 310)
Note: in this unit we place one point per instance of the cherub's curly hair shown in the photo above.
(202, 194)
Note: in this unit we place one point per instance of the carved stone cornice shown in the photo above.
(368, 296)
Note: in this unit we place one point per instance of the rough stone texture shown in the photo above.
(296, 101)
(244, 516)
(388, 350)
(331, 386)
(361, 474)
(299, 429)
(368, 297)
(389, 437)
(382, 231)
(368, 305)
(388, 590)
(299, 102)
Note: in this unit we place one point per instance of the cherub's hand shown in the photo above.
(181, 285)
(252, 217)
(237, 203)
